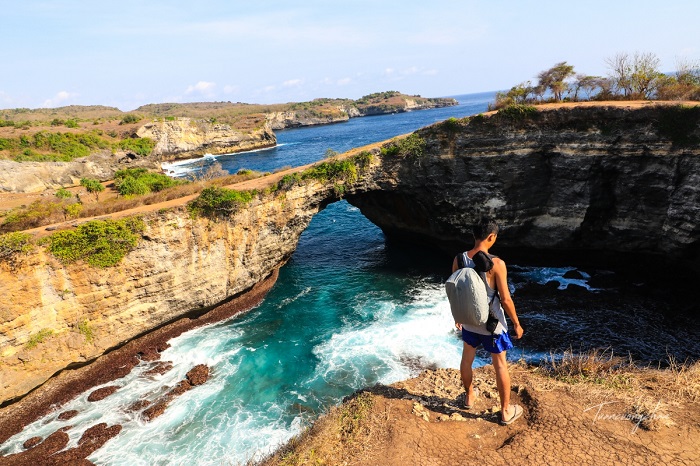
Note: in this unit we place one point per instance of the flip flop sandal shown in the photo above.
(517, 412)
(464, 403)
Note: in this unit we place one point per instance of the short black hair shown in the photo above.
(484, 228)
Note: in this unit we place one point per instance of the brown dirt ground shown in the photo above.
(563, 423)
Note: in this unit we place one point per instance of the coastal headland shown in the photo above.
(53, 148)
(596, 178)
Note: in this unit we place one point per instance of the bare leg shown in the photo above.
(500, 365)
(465, 368)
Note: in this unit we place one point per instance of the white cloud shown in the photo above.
(293, 83)
(60, 97)
(229, 89)
(388, 72)
(344, 81)
(5, 98)
(204, 88)
(429, 72)
(269, 88)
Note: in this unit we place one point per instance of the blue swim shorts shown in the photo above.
(492, 343)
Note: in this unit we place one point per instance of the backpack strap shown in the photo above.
(461, 260)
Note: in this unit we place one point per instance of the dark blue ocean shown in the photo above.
(348, 311)
(301, 146)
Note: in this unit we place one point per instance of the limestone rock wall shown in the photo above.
(295, 119)
(33, 177)
(181, 265)
(188, 137)
(577, 178)
(584, 179)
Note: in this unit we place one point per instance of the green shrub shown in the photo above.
(6, 144)
(139, 181)
(100, 243)
(337, 170)
(93, 186)
(14, 243)
(128, 119)
(85, 330)
(451, 125)
(57, 122)
(39, 337)
(518, 112)
(132, 187)
(71, 123)
(63, 193)
(289, 181)
(410, 146)
(477, 119)
(73, 210)
(139, 146)
(4, 123)
(363, 160)
(220, 202)
(21, 218)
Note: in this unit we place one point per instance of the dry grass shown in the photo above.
(598, 366)
(47, 212)
(346, 431)
(685, 379)
(649, 414)
(678, 381)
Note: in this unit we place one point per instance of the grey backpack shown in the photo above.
(466, 292)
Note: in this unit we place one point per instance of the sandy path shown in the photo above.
(256, 183)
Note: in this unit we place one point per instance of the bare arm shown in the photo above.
(455, 266)
(499, 268)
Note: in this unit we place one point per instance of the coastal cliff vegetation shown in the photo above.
(66, 133)
(635, 76)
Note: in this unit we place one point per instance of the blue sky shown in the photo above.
(131, 52)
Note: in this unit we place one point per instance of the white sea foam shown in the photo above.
(180, 168)
(543, 275)
(208, 426)
(365, 354)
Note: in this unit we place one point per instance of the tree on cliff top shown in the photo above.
(554, 79)
(636, 76)
(92, 186)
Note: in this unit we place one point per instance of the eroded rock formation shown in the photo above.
(583, 178)
(182, 265)
(590, 178)
(189, 137)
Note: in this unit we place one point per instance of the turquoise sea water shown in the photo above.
(349, 310)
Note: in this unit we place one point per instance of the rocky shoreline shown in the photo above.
(582, 420)
(117, 363)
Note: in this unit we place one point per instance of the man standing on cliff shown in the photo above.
(498, 342)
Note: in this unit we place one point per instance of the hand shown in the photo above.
(518, 331)
(458, 326)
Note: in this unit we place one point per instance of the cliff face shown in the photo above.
(33, 177)
(181, 138)
(296, 119)
(188, 137)
(340, 113)
(181, 265)
(583, 178)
